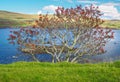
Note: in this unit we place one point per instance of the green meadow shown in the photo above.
(60, 72)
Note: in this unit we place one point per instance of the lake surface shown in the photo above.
(9, 53)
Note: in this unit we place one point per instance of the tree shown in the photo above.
(67, 35)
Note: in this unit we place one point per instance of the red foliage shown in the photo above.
(102, 50)
(12, 36)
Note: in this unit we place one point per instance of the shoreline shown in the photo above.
(6, 27)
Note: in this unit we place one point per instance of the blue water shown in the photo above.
(9, 53)
(112, 49)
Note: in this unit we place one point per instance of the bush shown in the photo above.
(67, 35)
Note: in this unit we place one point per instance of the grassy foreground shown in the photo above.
(60, 72)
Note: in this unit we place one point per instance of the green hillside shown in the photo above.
(11, 19)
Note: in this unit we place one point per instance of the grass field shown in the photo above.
(60, 72)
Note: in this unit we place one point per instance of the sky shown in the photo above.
(110, 8)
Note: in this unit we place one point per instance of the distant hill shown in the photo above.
(111, 24)
(12, 19)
